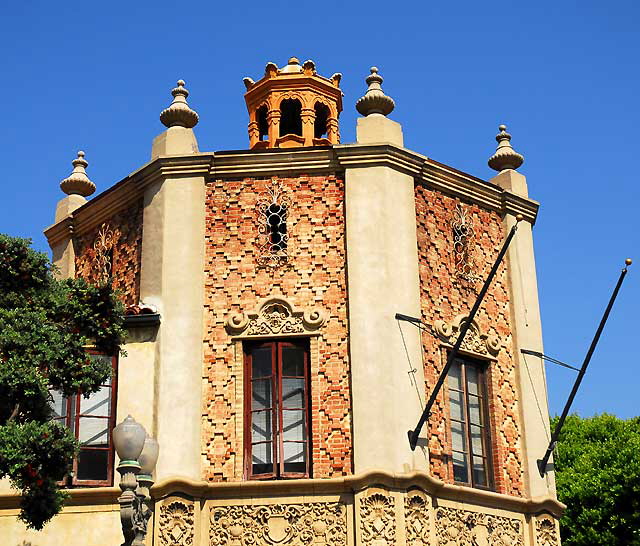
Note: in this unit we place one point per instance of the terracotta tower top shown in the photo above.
(293, 106)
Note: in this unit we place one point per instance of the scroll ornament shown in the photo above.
(475, 341)
(276, 316)
(283, 524)
(460, 527)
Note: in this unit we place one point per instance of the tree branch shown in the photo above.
(14, 412)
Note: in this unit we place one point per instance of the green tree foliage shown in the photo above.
(597, 464)
(45, 326)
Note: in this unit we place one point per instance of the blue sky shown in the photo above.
(562, 75)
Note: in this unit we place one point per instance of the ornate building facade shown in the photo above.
(264, 353)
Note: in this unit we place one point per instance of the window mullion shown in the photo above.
(277, 409)
(467, 427)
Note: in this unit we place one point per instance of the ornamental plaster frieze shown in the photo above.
(354, 484)
(476, 342)
(275, 317)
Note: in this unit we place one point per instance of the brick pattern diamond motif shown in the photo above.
(444, 296)
(314, 276)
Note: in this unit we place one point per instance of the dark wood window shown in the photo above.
(91, 420)
(470, 438)
(277, 410)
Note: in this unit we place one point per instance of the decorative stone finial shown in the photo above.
(293, 66)
(374, 100)
(78, 182)
(179, 114)
(505, 157)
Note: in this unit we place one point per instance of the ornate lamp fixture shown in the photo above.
(138, 454)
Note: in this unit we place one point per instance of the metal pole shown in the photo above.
(542, 463)
(413, 434)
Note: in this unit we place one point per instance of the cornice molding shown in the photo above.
(256, 163)
(263, 163)
(354, 484)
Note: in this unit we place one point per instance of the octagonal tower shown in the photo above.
(293, 106)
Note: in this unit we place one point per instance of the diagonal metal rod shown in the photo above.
(412, 320)
(413, 434)
(548, 358)
(542, 463)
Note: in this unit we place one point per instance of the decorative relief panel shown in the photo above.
(464, 244)
(294, 524)
(276, 316)
(176, 524)
(378, 520)
(103, 248)
(463, 528)
(417, 519)
(547, 532)
(475, 341)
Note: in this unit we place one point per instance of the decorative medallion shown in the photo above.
(377, 520)
(416, 517)
(273, 208)
(463, 528)
(176, 524)
(279, 524)
(464, 244)
(103, 250)
(547, 532)
(475, 341)
(275, 317)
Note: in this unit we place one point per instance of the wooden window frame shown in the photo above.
(481, 368)
(72, 422)
(276, 346)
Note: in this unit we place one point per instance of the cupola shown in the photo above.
(293, 106)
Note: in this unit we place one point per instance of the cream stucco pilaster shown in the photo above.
(382, 270)
(172, 278)
(527, 334)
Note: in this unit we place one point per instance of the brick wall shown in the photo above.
(444, 296)
(126, 242)
(314, 276)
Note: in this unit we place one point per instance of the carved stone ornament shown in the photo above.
(316, 523)
(463, 528)
(464, 245)
(78, 182)
(547, 532)
(377, 520)
(416, 517)
(176, 524)
(276, 316)
(475, 341)
(103, 249)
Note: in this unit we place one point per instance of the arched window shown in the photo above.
(320, 126)
(291, 119)
(263, 126)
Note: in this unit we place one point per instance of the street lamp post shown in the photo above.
(138, 454)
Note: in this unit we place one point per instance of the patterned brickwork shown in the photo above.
(445, 295)
(313, 277)
(126, 229)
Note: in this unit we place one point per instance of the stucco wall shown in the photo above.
(444, 296)
(313, 277)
